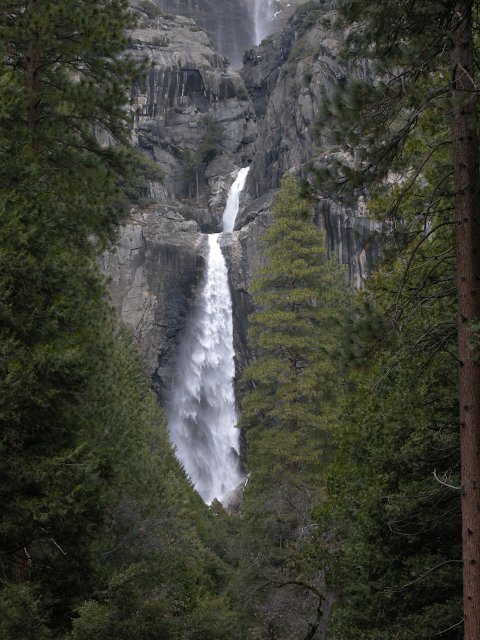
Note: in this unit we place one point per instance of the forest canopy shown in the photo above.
(359, 411)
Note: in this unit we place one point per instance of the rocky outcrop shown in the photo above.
(153, 271)
(234, 25)
(289, 76)
(352, 235)
(191, 109)
(229, 23)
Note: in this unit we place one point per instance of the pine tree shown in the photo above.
(423, 56)
(300, 299)
(63, 79)
(288, 409)
(66, 82)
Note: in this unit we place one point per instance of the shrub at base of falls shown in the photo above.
(293, 389)
(162, 578)
(159, 572)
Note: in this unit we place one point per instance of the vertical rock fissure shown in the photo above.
(202, 413)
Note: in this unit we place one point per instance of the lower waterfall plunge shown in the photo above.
(202, 415)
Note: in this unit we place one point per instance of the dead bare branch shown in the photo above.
(445, 484)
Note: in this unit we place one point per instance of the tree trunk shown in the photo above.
(32, 66)
(467, 218)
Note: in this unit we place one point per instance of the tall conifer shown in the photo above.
(423, 56)
(65, 83)
(288, 410)
(66, 80)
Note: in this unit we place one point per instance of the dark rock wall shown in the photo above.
(289, 76)
(153, 273)
(189, 85)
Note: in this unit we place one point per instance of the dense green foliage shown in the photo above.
(101, 535)
(397, 543)
(58, 188)
(296, 325)
(194, 161)
(396, 560)
(288, 412)
(65, 85)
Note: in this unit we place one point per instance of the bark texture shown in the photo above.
(467, 218)
(33, 83)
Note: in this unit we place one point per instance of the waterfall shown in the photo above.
(202, 414)
(263, 16)
(233, 201)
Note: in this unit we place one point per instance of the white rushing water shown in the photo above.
(202, 414)
(233, 201)
(263, 15)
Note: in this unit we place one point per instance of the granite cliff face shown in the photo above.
(289, 75)
(229, 23)
(153, 270)
(234, 25)
(200, 120)
(190, 94)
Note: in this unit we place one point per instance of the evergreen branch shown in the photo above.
(438, 259)
(422, 301)
(441, 346)
(58, 546)
(410, 261)
(417, 173)
(412, 350)
(422, 577)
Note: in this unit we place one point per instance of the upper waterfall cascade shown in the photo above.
(233, 201)
(202, 414)
(264, 11)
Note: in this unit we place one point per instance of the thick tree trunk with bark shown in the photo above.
(33, 84)
(467, 218)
